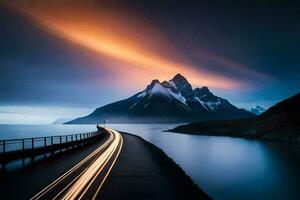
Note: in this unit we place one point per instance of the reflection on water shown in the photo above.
(224, 167)
(230, 168)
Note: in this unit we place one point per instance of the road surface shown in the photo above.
(144, 172)
(85, 179)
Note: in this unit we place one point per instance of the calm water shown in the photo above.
(224, 167)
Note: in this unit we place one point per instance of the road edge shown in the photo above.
(160, 154)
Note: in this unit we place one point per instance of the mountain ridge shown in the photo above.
(173, 101)
(278, 123)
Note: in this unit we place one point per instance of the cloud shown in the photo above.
(130, 46)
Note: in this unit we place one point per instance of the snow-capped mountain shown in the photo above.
(170, 101)
(257, 110)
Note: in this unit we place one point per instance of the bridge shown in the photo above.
(14, 149)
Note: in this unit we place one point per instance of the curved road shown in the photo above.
(84, 180)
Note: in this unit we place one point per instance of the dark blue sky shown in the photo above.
(38, 68)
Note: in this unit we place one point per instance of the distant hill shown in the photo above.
(61, 120)
(280, 122)
(257, 110)
(171, 101)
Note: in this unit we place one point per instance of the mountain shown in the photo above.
(61, 120)
(279, 123)
(173, 101)
(257, 110)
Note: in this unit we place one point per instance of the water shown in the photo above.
(224, 167)
(8, 131)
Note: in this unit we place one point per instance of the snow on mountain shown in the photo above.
(159, 89)
(257, 110)
(168, 101)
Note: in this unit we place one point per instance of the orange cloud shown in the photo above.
(139, 48)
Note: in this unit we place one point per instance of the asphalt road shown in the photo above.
(144, 172)
(85, 179)
(26, 183)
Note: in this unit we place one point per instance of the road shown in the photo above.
(145, 172)
(85, 179)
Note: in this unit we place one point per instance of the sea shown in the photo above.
(224, 167)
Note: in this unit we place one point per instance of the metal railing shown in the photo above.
(42, 142)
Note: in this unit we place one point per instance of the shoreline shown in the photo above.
(233, 132)
(174, 177)
(272, 140)
(164, 155)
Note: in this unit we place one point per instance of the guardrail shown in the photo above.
(39, 142)
(14, 149)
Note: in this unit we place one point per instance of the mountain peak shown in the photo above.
(178, 78)
(151, 85)
(153, 82)
(259, 107)
(166, 101)
(203, 91)
(182, 85)
(257, 110)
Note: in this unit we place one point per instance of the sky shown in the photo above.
(62, 59)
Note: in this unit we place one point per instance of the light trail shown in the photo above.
(78, 186)
(73, 169)
(96, 193)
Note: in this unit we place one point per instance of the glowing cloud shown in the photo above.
(138, 48)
